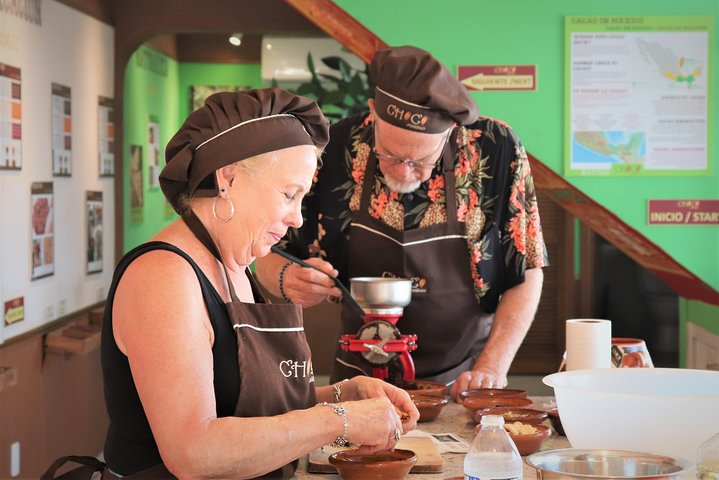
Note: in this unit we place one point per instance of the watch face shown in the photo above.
(381, 332)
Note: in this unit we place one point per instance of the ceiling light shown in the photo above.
(236, 39)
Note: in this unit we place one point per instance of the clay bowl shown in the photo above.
(555, 420)
(528, 443)
(492, 392)
(524, 415)
(425, 386)
(472, 404)
(429, 406)
(386, 465)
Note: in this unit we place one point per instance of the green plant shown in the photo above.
(339, 96)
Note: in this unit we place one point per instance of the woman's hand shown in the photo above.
(373, 424)
(308, 287)
(362, 387)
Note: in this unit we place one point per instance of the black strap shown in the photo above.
(200, 231)
(90, 465)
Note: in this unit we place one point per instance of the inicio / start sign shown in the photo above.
(683, 212)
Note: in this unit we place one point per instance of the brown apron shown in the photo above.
(450, 326)
(276, 373)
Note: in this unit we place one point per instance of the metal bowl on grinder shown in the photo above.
(590, 464)
(379, 293)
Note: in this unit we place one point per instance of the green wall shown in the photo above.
(471, 32)
(215, 74)
(151, 88)
(157, 85)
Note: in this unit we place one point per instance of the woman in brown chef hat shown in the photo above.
(203, 377)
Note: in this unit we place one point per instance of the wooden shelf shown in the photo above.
(75, 339)
(8, 377)
(95, 315)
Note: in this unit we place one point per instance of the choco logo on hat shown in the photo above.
(408, 115)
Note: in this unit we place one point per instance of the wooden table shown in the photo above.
(453, 419)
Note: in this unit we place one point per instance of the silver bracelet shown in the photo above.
(282, 282)
(338, 389)
(343, 440)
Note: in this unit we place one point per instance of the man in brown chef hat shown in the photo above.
(422, 187)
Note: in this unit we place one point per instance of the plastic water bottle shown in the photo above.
(493, 455)
(708, 459)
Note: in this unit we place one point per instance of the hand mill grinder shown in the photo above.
(379, 341)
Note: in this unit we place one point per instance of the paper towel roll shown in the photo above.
(589, 343)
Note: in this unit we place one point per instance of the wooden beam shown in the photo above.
(632, 243)
(341, 26)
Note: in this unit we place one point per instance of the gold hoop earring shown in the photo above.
(214, 209)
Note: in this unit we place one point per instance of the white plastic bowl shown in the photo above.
(659, 410)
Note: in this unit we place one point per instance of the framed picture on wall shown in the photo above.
(42, 236)
(10, 118)
(93, 213)
(198, 93)
(137, 194)
(106, 136)
(638, 95)
(61, 130)
(153, 152)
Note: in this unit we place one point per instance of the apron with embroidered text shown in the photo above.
(450, 326)
(275, 362)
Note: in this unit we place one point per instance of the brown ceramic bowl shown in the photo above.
(386, 465)
(524, 415)
(425, 386)
(555, 420)
(528, 443)
(472, 404)
(429, 406)
(492, 392)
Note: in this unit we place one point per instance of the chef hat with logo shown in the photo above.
(416, 92)
(235, 126)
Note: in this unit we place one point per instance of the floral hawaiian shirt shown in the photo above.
(495, 196)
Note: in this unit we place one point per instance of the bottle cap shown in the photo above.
(492, 421)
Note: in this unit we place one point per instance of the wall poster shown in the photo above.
(137, 198)
(61, 130)
(638, 95)
(106, 136)
(93, 210)
(10, 118)
(199, 93)
(42, 238)
(153, 152)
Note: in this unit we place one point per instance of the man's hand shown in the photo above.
(480, 378)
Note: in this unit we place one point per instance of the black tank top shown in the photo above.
(129, 445)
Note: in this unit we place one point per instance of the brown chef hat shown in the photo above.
(416, 92)
(234, 126)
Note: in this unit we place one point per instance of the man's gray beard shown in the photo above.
(402, 187)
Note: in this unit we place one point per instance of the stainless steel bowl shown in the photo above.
(378, 293)
(573, 463)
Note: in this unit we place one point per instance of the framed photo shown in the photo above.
(10, 118)
(93, 213)
(42, 237)
(199, 93)
(106, 136)
(61, 130)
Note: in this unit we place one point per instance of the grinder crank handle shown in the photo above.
(346, 295)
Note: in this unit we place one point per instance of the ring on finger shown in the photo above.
(397, 434)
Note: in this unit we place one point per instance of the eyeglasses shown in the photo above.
(418, 164)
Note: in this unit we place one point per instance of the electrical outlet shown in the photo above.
(49, 313)
(15, 459)
(62, 307)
